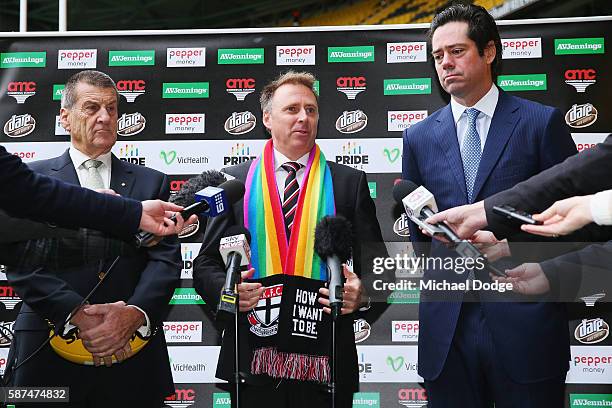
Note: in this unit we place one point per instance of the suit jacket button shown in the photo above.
(101, 275)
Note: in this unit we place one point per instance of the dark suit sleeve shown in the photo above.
(27, 194)
(161, 274)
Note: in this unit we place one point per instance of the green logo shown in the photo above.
(404, 297)
(315, 87)
(185, 90)
(407, 86)
(565, 46)
(590, 400)
(529, 82)
(186, 296)
(395, 363)
(351, 54)
(392, 155)
(366, 400)
(58, 90)
(222, 400)
(372, 187)
(131, 58)
(240, 56)
(168, 156)
(23, 59)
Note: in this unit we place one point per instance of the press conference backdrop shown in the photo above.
(189, 102)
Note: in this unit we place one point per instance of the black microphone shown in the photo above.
(333, 244)
(419, 205)
(236, 252)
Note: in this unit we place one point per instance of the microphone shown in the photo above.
(419, 205)
(210, 201)
(333, 240)
(236, 252)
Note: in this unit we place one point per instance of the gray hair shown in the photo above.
(91, 77)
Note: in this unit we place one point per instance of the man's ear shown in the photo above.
(63, 116)
(266, 120)
(490, 52)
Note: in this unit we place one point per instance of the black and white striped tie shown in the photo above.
(291, 194)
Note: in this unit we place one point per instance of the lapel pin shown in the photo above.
(123, 184)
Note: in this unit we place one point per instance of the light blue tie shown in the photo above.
(470, 152)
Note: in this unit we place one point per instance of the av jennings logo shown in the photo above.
(20, 125)
(352, 154)
(183, 332)
(580, 78)
(131, 58)
(516, 48)
(185, 123)
(567, 46)
(129, 153)
(240, 87)
(182, 398)
(130, 124)
(529, 82)
(590, 400)
(21, 90)
(407, 86)
(398, 121)
(351, 86)
(9, 297)
(221, 400)
(366, 400)
(295, 55)
(591, 331)
(581, 116)
(77, 59)
(227, 56)
(23, 59)
(351, 121)
(240, 123)
(239, 153)
(58, 91)
(350, 54)
(406, 52)
(185, 57)
(175, 90)
(412, 397)
(131, 89)
(186, 296)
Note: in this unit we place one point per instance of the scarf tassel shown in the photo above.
(293, 366)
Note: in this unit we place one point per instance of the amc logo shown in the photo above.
(176, 185)
(240, 83)
(573, 74)
(344, 82)
(131, 85)
(27, 86)
(181, 398)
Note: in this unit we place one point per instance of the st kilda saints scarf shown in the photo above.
(288, 331)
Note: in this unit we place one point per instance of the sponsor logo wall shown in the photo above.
(190, 103)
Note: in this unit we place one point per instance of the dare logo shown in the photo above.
(130, 124)
(21, 90)
(580, 79)
(351, 121)
(9, 297)
(19, 125)
(6, 333)
(240, 123)
(131, 89)
(362, 330)
(581, 116)
(240, 87)
(351, 86)
(182, 398)
(591, 331)
(412, 397)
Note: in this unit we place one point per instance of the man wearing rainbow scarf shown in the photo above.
(285, 329)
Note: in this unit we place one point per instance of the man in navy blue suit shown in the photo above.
(134, 297)
(475, 353)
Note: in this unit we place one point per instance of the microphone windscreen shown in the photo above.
(186, 195)
(333, 236)
(237, 230)
(234, 190)
(402, 188)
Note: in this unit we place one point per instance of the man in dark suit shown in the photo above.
(470, 350)
(135, 294)
(290, 113)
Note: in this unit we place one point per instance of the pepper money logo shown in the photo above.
(185, 57)
(518, 48)
(591, 331)
(240, 87)
(23, 59)
(240, 123)
(19, 125)
(21, 90)
(295, 55)
(406, 52)
(580, 78)
(351, 86)
(76, 59)
(227, 56)
(131, 89)
(567, 46)
(581, 116)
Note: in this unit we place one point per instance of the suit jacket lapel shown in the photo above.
(503, 123)
(63, 169)
(122, 177)
(445, 133)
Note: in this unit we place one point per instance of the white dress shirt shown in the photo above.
(486, 105)
(281, 174)
(601, 207)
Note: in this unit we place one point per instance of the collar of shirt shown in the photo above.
(486, 105)
(78, 158)
(281, 174)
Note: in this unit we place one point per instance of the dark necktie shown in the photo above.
(290, 194)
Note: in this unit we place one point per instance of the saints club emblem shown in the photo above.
(264, 317)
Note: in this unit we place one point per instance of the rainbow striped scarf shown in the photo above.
(271, 254)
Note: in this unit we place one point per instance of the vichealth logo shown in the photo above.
(566, 46)
(227, 56)
(23, 59)
(407, 86)
(350, 54)
(529, 82)
(131, 58)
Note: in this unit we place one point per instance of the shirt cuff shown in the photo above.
(601, 207)
(144, 330)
